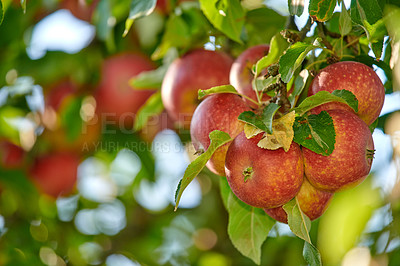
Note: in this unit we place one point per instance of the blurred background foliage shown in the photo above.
(120, 209)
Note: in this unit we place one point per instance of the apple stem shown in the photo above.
(248, 173)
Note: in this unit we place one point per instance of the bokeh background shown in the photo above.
(119, 211)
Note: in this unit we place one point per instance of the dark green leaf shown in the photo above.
(268, 116)
(311, 254)
(153, 106)
(345, 23)
(321, 10)
(369, 10)
(296, 7)
(139, 8)
(101, 18)
(253, 119)
(298, 222)
(248, 227)
(315, 132)
(217, 89)
(1, 12)
(293, 58)
(321, 97)
(227, 16)
(276, 47)
(217, 139)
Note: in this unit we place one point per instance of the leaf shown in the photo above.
(315, 132)
(149, 79)
(268, 115)
(217, 139)
(139, 8)
(345, 23)
(217, 89)
(311, 254)
(276, 48)
(321, 97)
(369, 10)
(253, 119)
(296, 7)
(227, 16)
(248, 227)
(23, 5)
(298, 222)
(1, 12)
(321, 10)
(102, 18)
(293, 58)
(153, 106)
(251, 131)
(71, 119)
(299, 83)
(282, 134)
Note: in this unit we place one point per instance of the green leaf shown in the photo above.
(248, 227)
(298, 222)
(251, 118)
(139, 8)
(23, 5)
(299, 83)
(268, 116)
(315, 132)
(321, 10)
(101, 18)
(296, 7)
(345, 23)
(276, 48)
(293, 58)
(217, 89)
(369, 10)
(321, 97)
(311, 254)
(1, 12)
(227, 16)
(151, 79)
(217, 139)
(71, 119)
(153, 106)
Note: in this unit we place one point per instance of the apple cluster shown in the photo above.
(266, 178)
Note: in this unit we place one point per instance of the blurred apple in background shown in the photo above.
(198, 69)
(55, 174)
(11, 155)
(117, 101)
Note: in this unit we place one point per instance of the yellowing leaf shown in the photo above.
(282, 134)
(251, 131)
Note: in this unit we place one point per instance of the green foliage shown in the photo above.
(345, 22)
(296, 7)
(217, 139)
(139, 8)
(321, 10)
(227, 16)
(217, 89)
(1, 12)
(153, 106)
(248, 227)
(277, 46)
(264, 121)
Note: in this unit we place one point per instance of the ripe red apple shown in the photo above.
(241, 74)
(351, 159)
(358, 78)
(11, 155)
(217, 112)
(260, 177)
(199, 69)
(80, 8)
(117, 101)
(55, 174)
(312, 201)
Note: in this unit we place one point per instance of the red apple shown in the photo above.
(199, 69)
(351, 159)
(80, 8)
(217, 112)
(358, 78)
(260, 177)
(313, 202)
(11, 155)
(117, 101)
(241, 74)
(55, 174)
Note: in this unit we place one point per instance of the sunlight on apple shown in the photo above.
(120, 260)
(60, 31)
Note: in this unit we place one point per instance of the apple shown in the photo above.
(312, 201)
(117, 101)
(55, 174)
(351, 159)
(11, 155)
(198, 69)
(81, 9)
(216, 112)
(358, 78)
(241, 74)
(260, 177)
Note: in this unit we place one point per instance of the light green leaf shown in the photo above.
(321, 97)
(345, 23)
(299, 83)
(248, 227)
(153, 106)
(298, 222)
(268, 116)
(217, 89)
(321, 10)
(151, 79)
(296, 7)
(1, 12)
(311, 254)
(227, 16)
(217, 139)
(139, 8)
(276, 48)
